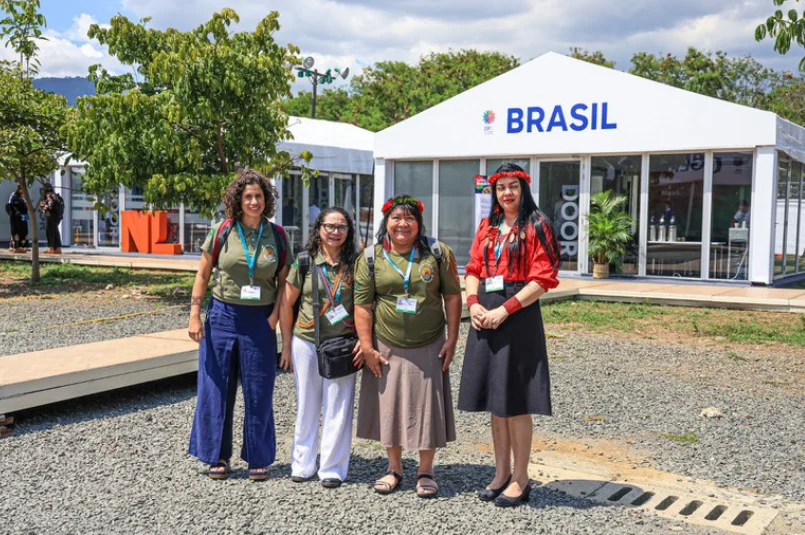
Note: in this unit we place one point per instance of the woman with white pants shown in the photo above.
(331, 257)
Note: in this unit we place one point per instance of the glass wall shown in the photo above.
(290, 216)
(792, 222)
(196, 228)
(621, 176)
(559, 198)
(416, 179)
(365, 224)
(82, 214)
(675, 202)
(109, 220)
(493, 164)
(344, 193)
(731, 215)
(800, 230)
(781, 217)
(456, 191)
(319, 196)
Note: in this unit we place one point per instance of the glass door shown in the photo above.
(559, 195)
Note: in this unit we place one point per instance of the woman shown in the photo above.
(238, 336)
(405, 397)
(331, 257)
(513, 261)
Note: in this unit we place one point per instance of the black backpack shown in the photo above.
(304, 267)
(59, 208)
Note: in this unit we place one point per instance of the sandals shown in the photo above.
(258, 474)
(220, 470)
(427, 490)
(384, 487)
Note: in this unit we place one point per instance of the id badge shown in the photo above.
(406, 305)
(494, 284)
(250, 293)
(338, 315)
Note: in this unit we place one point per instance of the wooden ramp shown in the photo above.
(33, 379)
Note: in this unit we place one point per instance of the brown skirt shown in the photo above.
(410, 405)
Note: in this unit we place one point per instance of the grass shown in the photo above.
(68, 277)
(738, 326)
(684, 438)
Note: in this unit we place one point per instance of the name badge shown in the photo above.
(250, 293)
(338, 315)
(494, 284)
(406, 305)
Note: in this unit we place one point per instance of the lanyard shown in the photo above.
(250, 260)
(334, 298)
(499, 244)
(407, 276)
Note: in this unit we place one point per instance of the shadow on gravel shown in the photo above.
(106, 404)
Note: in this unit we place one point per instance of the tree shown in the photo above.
(787, 99)
(331, 104)
(30, 119)
(785, 29)
(198, 105)
(596, 58)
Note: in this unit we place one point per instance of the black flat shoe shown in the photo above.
(331, 483)
(487, 495)
(300, 479)
(506, 501)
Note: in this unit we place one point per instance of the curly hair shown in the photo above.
(348, 253)
(234, 191)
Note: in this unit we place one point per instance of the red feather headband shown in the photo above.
(391, 203)
(516, 174)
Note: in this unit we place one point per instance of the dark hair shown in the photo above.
(421, 242)
(234, 191)
(348, 253)
(527, 214)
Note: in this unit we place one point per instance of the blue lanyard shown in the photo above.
(250, 260)
(499, 244)
(407, 276)
(337, 297)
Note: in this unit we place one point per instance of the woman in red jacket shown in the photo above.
(513, 261)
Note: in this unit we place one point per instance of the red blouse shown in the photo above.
(538, 266)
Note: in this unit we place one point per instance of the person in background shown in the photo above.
(514, 259)
(667, 215)
(17, 211)
(238, 337)
(52, 209)
(400, 308)
(742, 217)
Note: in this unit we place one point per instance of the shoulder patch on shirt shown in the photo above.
(426, 271)
(269, 253)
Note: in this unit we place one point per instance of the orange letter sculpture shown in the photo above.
(144, 232)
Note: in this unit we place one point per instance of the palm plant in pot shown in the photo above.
(609, 231)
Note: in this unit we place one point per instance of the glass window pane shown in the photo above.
(196, 228)
(81, 211)
(559, 199)
(801, 224)
(109, 220)
(792, 221)
(456, 196)
(319, 196)
(781, 213)
(365, 225)
(732, 215)
(416, 179)
(291, 213)
(675, 200)
(344, 192)
(621, 176)
(493, 164)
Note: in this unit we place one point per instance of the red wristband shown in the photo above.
(512, 305)
(472, 300)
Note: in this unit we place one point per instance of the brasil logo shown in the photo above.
(489, 117)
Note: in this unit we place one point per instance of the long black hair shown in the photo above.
(348, 252)
(409, 205)
(528, 214)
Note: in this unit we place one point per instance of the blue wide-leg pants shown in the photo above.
(237, 338)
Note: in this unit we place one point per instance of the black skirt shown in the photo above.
(506, 370)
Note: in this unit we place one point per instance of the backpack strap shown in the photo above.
(303, 259)
(281, 239)
(369, 254)
(435, 249)
(220, 237)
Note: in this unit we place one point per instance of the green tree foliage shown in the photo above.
(596, 58)
(330, 104)
(784, 28)
(787, 99)
(30, 119)
(199, 104)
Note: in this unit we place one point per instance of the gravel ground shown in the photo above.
(33, 324)
(117, 462)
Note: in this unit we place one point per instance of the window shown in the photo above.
(416, 179)
(81, 211)
(559, 199)
(290, 215)
(731, 215)
(456, 191)
(781, 211)
(365, 226)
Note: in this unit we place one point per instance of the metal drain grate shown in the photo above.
(736, 518)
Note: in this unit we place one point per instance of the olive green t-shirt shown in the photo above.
(233, 271)
(428, 283)
(326, 330)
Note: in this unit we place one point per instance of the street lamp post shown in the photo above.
(316, 77)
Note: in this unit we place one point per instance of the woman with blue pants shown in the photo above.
(238, 337)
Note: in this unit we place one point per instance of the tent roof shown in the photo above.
(336, 147)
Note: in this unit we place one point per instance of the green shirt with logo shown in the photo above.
(326, 329)
(429, 281)
(233, 271)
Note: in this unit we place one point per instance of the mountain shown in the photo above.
(72, 88)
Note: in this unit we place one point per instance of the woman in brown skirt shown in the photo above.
(403, 286)
(514, 260)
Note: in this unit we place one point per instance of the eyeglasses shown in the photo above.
(332, 229)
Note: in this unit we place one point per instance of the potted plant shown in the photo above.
(609, 231)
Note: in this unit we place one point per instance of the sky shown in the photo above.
(357, 33)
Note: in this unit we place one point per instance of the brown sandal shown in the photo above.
(388, 487)
(426, 490)
(220, 470)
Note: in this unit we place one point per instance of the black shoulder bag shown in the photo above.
(334, 354)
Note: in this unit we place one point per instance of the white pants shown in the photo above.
(334, 400)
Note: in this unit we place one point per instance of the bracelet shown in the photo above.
(472, 300)
(512, 305)
(196, 300)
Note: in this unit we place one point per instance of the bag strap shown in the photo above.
(220, 237)
(435, 249)
(314, 279)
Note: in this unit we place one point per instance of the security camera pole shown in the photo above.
(316, 77)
